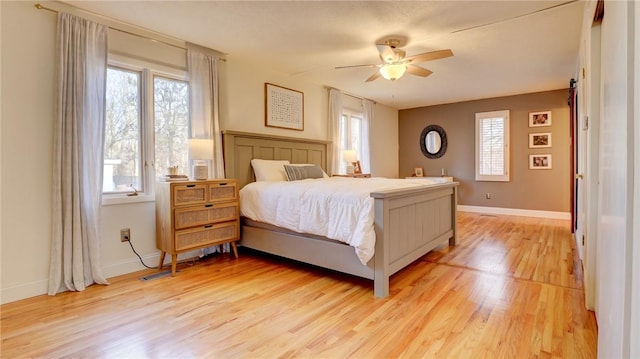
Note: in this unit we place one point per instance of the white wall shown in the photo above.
(27, 139)
(612, 266)
(614, 177)
(28, 100)
(242, 107)
(384, 143)
(634, 299)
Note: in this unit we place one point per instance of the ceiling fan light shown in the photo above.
(392, 72)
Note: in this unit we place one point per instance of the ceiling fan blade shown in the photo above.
(418, 71)
(347, 67)
(428, 56)
(374, 76)
(386, 53)
(515, 17)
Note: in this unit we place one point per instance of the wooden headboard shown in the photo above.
(241, 147)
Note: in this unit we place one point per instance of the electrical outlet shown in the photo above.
(125, 235)
(488, 195)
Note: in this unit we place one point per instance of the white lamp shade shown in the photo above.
(200, 149)
(392, 72)
(350, 156)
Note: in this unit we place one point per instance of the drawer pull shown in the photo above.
(208, 205)
(222, 183)
(208, 226)
(191, 185)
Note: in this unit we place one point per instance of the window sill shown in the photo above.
(124, 199)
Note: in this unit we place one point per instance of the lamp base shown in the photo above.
(350, 169)
(200, 172)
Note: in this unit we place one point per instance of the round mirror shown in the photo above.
(433, 141)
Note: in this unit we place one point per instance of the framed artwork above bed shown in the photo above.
(284, 108)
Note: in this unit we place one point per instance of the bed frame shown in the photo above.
(408, 222)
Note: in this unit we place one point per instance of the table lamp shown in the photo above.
(351, 157)
(200, 151)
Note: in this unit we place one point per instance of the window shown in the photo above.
(492, 146)
(351, 135)
(171, 121)
(146, 130)
(122, 139)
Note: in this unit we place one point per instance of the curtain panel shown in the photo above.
(202, 65)
(367, 123)
(78, 154)
(335, 114)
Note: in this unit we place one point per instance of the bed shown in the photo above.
(408, 222)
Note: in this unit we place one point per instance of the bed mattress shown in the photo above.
(337, 208)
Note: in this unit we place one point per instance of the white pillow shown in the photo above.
(269, 170)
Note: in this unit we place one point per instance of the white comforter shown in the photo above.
(337, 208)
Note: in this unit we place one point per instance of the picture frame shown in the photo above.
(540, 162)
(540, 140)
(540, 119)
(283, 107)
(417, 172)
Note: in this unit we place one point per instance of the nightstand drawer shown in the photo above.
(223, 191)
(206, 235)
(185, 194)
(205, 214)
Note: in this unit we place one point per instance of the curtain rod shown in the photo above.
(350, 95)
(40, 7)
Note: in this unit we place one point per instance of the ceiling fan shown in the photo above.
(395, 63)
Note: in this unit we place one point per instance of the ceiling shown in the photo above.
(508, 47)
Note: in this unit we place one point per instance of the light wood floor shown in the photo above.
(510, 289)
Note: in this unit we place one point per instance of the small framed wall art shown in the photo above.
(284, 108)
(540, 140)
(540, 119)
(540, 162)
(417, 172)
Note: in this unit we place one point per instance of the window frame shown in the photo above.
(148, 71)
(506, 175)
(350, 115)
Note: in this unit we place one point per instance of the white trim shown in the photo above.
(23, 291)
(36, 288)
(130, 265)
(515, 212)
(111, 199)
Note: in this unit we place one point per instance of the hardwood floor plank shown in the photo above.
(511, 289)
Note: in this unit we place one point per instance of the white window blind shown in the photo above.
(492, 146)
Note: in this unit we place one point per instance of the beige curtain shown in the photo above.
(77, 154)
(335, 114)
(367, 124)
(202, 65)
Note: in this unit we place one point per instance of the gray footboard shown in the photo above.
(408, 224)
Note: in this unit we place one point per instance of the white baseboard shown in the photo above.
(515, 212)
(23, 291)
(130, 265)
(40, 287)
(133, 264)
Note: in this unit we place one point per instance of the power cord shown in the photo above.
(141, 261)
